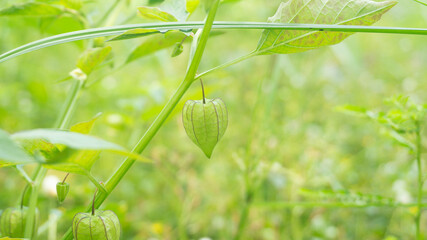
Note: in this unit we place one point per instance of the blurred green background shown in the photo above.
(282, 120)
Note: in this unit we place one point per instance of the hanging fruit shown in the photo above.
(205, 122)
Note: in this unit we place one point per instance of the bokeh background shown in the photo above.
(282, 121)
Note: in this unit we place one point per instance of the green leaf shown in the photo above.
(168, 11)
(10, 152)
(92, 58)
(339, 12)
(70, 139)
(191, 5)
(74, 4)
(156, 14)
(31, 9)
(134, 33)
(156, 43)
(85, 127)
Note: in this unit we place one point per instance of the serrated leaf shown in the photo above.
(337, 12)
(134, 33)
(156, 43)
(92, 58)
(11, 153)
(168, 11)
(31, 9)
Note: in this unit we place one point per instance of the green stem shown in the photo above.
(70, 103)
(62, 122)
(420, 181)
(161, 118)
(282, 205)
(227, 64)
(423, 3)
(188, 26)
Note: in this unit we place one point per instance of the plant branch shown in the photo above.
(188, 26)
(161, 118)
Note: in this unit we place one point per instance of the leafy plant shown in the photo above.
(297, 26)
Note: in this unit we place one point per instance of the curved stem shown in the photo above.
(188, 26)
(203, 91)
(227, 64)
(93, 202)
(161, 118)
(65, 178)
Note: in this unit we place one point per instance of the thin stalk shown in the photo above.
(423, 3)
(282, 205)
(68, 108)
(188, 26)
(203, 91)
(93, 202)
(40, 173)
(65, 178)
(161, 118)
(420, 181)
(227, 64)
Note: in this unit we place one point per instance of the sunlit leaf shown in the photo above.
(74, 4)
(191, 5)
(340, 12)
(134, 33)
(156, 14)
(92, 58)
(70, 139)
(85, 127)
(31, 9)
(10, 152)
(155, 43)
(168, 11)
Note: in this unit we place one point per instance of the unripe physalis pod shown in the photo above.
(62, 189)
(205, 122)
(97, 225)
(13, 221)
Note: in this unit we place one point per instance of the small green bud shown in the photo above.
(62, 189)
(205, 122)
(103, 225)
(177, 50)
(13, 221)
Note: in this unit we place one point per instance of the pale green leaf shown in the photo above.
(337, 12)
(155, 43)
(85, 127)
(191, 5)
(156, 14)
(134, 33)
(31, 9)
(92, 58)
(168, 11)
(70, 139)
(10, 152)
(74, 4)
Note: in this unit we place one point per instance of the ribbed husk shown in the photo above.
(104, 225)
(62, 189)
(13, 221)
(205, 123)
